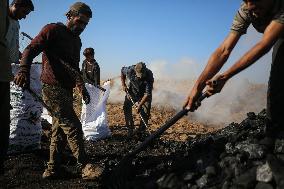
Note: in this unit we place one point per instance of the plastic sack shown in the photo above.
(94, 116)
(25, 126)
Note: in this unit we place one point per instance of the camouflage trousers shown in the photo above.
(64, 123)
(5, 119)
(145, 113)
(275, 94)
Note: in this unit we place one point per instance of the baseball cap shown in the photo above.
(140, 68)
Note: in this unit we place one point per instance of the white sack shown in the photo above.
(94, 116)
(25, 126)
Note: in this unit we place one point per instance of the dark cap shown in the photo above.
(24, 3)
(140, 69)
(88, 51)
(81, 8)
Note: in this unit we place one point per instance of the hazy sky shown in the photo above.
(171, 32)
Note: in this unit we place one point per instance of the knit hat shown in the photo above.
(81, 8)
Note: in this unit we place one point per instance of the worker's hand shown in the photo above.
(85, 95)
(138, 108)
(22, 78)
(216, 84)
(124, 88)
(136, 104)
(191, 103)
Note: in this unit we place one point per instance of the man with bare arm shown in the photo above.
(267, 17)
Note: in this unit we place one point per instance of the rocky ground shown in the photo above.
(188, 155)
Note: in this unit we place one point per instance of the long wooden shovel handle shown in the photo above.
(162, 129)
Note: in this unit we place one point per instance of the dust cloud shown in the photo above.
(174, 81)
(244, 93)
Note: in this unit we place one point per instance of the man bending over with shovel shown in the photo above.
(61, 43)
(267, 17)
(138, 94)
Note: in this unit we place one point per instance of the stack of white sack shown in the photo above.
(25, 126)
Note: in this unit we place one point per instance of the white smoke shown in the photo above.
(173, 83)
(116, 94)
(238, 97)
(244, 93)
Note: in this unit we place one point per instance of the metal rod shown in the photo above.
(78, 74)
(42, 102)
(131, 99)
(162, 129)
(26, 35)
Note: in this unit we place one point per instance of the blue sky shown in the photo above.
(124, 32)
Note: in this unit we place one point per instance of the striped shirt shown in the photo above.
(244, 18)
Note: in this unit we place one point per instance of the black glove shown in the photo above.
(86, 96)
(22, 78)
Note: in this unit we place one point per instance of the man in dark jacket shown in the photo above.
(5, 78)
(9, 37)
(90, 68)
(18, 10)
(139, 91)
(61, 46)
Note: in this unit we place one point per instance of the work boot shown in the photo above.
(52, 173)
(130, 133)
(91, 171)
(142, 128)
(49, 174)
(142, 132)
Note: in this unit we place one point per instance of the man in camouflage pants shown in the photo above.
(61, 45)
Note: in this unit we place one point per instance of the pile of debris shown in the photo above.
(238, 156)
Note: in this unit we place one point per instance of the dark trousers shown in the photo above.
(145, 113)
(4, 119)
(275, 93)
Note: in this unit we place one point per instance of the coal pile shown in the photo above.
(237, 156)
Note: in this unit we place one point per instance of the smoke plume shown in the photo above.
(244, 93)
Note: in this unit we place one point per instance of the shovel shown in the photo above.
(133, 103)
(120, 174)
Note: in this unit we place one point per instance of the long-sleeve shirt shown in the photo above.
(91, 72)
(138, 87)
(58, 44)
